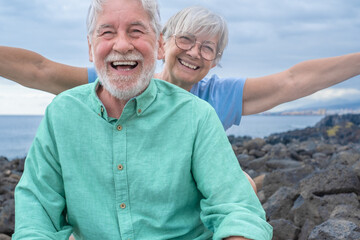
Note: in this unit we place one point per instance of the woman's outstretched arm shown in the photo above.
(35, 71)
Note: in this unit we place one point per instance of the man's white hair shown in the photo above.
(150, 6)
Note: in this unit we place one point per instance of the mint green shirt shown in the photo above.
(163, 170)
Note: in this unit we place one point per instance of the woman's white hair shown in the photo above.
(150, 6)
(198, 20)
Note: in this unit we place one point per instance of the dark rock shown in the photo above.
(284, 229)
(255, 144)
(319, 161)
(346, 158)
(238, 140)
(244, 159)
(258, 164)
(307, 147)
(283, 163)
(294, 155)
(4, 237)
(327, 149)
(347, 212)
(333, 120)
(319, 209)
(10, 174)
(266, 148)
(279, 151)
(279, 204)
(356, 168)
(306, 229)
(285, 177)
(256, 153)
(336, 229)
(333, 180)
(7, 216)
(290, 136)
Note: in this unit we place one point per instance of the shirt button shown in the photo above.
(139, 110)
(120, 167)
(123, 205)
(119, 127)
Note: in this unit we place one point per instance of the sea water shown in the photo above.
(18, 132)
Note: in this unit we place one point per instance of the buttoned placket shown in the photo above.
(120, 171)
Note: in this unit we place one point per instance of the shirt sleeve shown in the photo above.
(92, 75)
(224, 95)
(230, 206)
(40, 211)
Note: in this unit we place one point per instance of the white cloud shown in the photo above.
(326, 97)
(18, 100)
(335, 93)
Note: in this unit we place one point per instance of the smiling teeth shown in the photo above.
(188, 65)
(124, 63)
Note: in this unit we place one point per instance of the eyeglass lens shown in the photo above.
(207, 48)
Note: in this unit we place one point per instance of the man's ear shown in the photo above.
(91, 59)
(161, 51)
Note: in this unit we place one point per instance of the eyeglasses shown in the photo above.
(207, 48)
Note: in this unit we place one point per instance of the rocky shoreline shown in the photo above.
(308, 180)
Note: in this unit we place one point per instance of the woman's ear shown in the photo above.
(161, 50)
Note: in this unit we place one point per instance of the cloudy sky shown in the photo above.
(265, 37)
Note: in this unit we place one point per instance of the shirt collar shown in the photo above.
(144, 100)
(139, 104)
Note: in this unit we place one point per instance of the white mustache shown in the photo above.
(133, 56)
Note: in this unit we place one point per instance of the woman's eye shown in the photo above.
(208, 49)
(185, 39)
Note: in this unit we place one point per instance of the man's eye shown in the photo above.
(136, 33)
(107, 33)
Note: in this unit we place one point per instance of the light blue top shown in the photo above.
(163, 170)
(224, 94)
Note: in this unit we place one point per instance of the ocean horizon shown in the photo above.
(17, 132)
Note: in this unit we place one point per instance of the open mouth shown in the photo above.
(124, 66)
(188, 65)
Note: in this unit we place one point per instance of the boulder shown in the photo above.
(319, 209)
(279, 204)
(336, 229)
(7, 217)
(284, 229)
(333, 180)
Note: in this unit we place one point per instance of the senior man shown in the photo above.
(130, 157)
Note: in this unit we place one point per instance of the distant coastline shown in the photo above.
(313, 112)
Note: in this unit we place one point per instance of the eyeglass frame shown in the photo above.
(195, 42)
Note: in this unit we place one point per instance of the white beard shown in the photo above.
(116, 85)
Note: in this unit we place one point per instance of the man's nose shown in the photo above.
(123, 44)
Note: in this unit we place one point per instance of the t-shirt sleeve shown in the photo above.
(92, 76)
(224, 95)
